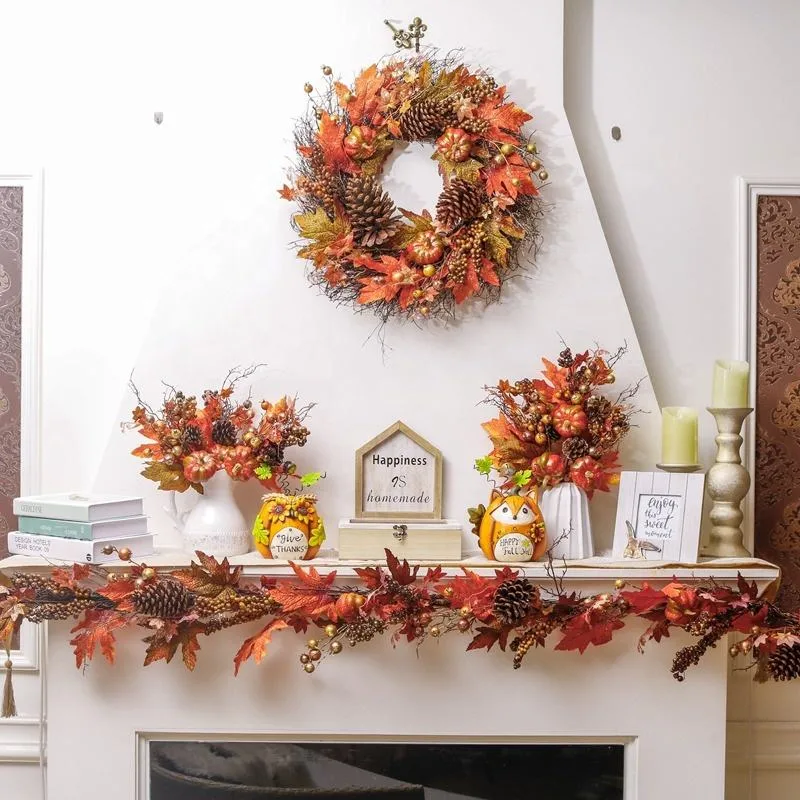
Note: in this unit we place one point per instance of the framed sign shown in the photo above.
(398, 476)
(658, 516)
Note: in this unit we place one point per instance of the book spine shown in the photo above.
(56, 527)
(72, 513)
(31, 544)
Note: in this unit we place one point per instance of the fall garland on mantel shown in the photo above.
(176, 607)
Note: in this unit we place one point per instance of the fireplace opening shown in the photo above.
(229, 770)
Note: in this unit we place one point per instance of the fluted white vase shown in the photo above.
(565, 509)
(215, 525)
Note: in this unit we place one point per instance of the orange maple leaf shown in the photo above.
(375, 290)
(505, 119)
(70, 577)
(287, 192)
(508, 447)
(364, 100)
(500, 177)
(94, 631)
(331, 141)
(488, 274)
(468, 287)
(311, 596)
(256, 646)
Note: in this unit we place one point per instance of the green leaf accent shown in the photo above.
(483, 465)
(317, 535)
(310, 478)
(522, 478)
(264, 472)
(260, 533)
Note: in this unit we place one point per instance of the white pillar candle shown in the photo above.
(678, 436)
(730, 384)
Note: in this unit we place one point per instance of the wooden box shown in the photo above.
(420, 540)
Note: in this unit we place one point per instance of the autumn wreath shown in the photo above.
(366, 251)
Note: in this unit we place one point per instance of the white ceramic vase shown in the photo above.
(565, 509)
(215, 525)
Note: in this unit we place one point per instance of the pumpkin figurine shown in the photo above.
(288, 527)
(512, 528)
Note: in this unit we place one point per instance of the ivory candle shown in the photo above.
(678, 436)
(730, 384)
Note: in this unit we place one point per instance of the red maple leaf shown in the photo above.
(582, 631)
(644, 600)
(96, 630)
(488, 637)
(745, 622)
(488, 274)
(287, 192)
(331, 141)
(255, 647)
(312, 597)
(400, 570)
(468, 287)
(70, 577)
(500, 178)
(372, 577)
(505, 119)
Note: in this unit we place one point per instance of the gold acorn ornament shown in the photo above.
(512, 528)
(288, 527)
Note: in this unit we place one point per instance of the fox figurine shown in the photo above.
(512, 528)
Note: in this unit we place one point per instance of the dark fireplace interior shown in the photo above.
(388, 771)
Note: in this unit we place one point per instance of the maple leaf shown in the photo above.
(331, 141)
(209, 577)
(485, 638)
(432, 575)
(365, 99)
(164, 644)
(505, 119)
(407, 233)
(748, 591)
(323, 232)
(372, 576)
(400, 570)
(96, 630)
(508, 447)
(522, 478)
(483, 465)
(644, 600)
(255, 647)
(70, 577)
(386, 265)
(468, 170)
(488, 274)
(500, 178)
(658, 630)
(745, 622)
(118, 592)
(169, 479)
(471, 590)
(287, 192)
(468, 287)
(581, 632)
(311, 597)
(374, 291)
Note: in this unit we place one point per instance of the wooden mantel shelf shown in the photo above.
(588, 570)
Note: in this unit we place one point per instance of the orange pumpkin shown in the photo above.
(288, 527)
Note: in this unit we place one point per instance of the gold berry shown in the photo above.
(309, 668)
(304, 659)
(138, 583)
(312, 643)
(336, 647)
(429, 270)
(124, 554)
(463, 625)
(535, 164)
(531, 147)
(448, 591)
(465, 611)
(108, 549)
(113, 577)
(308, 88)
(424, 310)
(397, 276)
(148, 573)
(755, 630)
(543, 175)
(541, 438)
(734, 650)
(326, 70)
(347, 97)
(499, 159)
(330, 630)
(619, 583)
(434, 630)
(507, 149)
(314, 654)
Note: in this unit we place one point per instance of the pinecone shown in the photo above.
(371, 210)
(163, 599)
(574, 447)
(565, 358)
(459, 202)
(223, 432)
(192, 438)
(423, 120)
(784, 663)
(512, 600)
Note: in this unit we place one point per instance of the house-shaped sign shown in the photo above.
(398, 476)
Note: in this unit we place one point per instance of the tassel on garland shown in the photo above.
(9, 704)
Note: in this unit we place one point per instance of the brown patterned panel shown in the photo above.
(10, 352)
(777, 468)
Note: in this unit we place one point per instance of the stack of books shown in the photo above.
(76, 527)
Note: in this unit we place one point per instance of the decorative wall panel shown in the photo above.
(777, 468)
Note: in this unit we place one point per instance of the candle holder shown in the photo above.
(727, 484)
(678, 467)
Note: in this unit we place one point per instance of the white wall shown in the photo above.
(703, 93)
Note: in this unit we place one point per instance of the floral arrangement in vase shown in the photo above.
(559, 430)
(206, 444)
